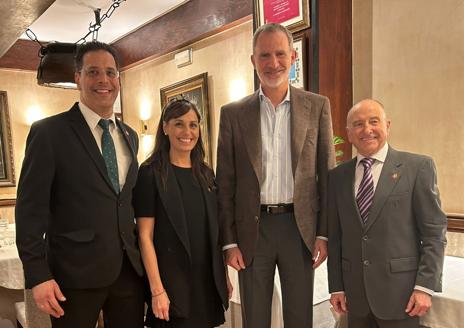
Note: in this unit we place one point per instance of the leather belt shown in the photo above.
(277, 208)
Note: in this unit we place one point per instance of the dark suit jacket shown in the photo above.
(171, 238)
(239, 168)
(64, 191)
(402, 245)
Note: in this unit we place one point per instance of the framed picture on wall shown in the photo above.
(293, 14)
(195, 90)
(7, 177)
(297, 74)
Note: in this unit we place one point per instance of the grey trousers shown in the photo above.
(279, 244)
(370, 321)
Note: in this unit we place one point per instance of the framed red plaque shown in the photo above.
(293, 14)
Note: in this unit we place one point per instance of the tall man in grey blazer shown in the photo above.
(75, 188)
(274, 153)
(386, 228)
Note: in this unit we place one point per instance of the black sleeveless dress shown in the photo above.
(206, 310)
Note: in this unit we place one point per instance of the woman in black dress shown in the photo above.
(176, 210)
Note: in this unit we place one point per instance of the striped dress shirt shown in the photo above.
(277, 186)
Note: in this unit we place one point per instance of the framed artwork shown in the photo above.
(195, 90)
(297, 74)
(293, 14)
(7, 177)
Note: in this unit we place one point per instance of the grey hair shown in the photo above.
(272, 28)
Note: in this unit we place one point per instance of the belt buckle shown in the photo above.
(269, 208)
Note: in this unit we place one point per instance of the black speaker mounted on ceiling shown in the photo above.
(56, 67)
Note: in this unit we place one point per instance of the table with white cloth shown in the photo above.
(11, 278)
(322, 317)
(448, 307)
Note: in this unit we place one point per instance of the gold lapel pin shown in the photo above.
(395, 176)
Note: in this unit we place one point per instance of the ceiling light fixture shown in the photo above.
(56, 68)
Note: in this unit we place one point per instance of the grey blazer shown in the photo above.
(239, 168)
(401, 245)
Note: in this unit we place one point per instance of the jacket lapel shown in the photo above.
(209, 196)
(300, 122)
(82, 130)
(172, 202)
(389, 177)
(251, 128)
(130, 142)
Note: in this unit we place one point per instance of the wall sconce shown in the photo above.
(144, 127)
(34, 113)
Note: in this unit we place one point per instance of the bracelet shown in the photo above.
(160, 293)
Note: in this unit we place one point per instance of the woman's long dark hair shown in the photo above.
(159, 159)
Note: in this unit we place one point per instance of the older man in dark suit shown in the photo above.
(274, 153)
(386, 228)
(76, 190)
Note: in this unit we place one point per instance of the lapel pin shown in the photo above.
(395, 176)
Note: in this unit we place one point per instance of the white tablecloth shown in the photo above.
(11, 269)
(321, 293)
(448, 307)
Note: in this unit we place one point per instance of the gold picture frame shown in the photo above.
(293, 14)
(7, 174)
(195, 90)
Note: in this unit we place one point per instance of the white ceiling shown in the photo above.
(69, 20)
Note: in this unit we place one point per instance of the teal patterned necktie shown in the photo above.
(109, 154)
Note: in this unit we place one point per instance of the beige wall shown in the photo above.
(226, 57)
(23, 93)
(414, 65)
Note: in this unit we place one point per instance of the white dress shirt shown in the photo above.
(276, 158)
(123, 155)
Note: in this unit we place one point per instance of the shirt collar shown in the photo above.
(262, 96)
(91, 117)
(379, 156)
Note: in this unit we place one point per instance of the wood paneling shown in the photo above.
(22, 55)
(190, 22)
(456, 222)
(335, 61)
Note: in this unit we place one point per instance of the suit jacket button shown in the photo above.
(366, 262)
(365, 238)
(256, 219)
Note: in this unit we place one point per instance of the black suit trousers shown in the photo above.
(122, 303)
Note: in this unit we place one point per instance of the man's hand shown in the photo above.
(319, 252)
(419, 303)
(338, 302)
(234, 258)
(46, 296)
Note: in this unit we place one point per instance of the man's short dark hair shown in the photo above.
(269, 28)
(84, 48)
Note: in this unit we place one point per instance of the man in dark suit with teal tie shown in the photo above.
(386, 228)
(76, 233)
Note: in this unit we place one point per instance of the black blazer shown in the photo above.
(171, 239)
(64, 191)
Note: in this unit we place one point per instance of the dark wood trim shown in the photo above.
(193, 21)
(24, 54)
(189, 23)
(7, 202)
(456, 222)
(335, 61)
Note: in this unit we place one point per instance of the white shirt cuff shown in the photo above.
(229, 246)
(425, 290)
(340, 292)
(322, 238)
